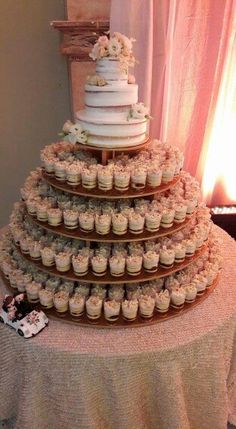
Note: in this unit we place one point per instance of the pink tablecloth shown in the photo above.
(178, 374)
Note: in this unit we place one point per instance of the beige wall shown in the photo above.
(34, 90)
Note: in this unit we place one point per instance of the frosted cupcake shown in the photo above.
(119, 224)
(80, 265)
(162, 301)
(63, 261)
(89, 177)
(71, 219)
(61, 301)
(111, 310)
(130, 309)
(31, 205)
(138, 178)
(136, 223)
(77, 305)
(99, 265)
(168, 172)
(54, 217)
(46, 298)
(117, 266)
(152, 221)
(32, 291)
(190, 247)
(167, 218)
(154, 176)
(121, 180)
(73, 175)
(47, 256)
(42, 211)
(146, 306)
(94, 307)
(105, 178)
(178, 298)
(190, 293)
(116, 292)
(103, 224)
(52, 283)
(86, 221)
(24, 244)
(35, 250)
(200, 282)
(134, 265)
(83, 290)
(167, 258)
(49, 165)
(150, 261)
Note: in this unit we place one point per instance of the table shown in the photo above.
(179, 374)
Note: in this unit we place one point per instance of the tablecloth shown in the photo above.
(178, 374)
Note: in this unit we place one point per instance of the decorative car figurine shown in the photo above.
(17, 313)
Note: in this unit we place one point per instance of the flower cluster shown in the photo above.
(117, 46)
(96, 80)
(74, 133)
(139, 111)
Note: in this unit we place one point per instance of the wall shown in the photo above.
(34, 90)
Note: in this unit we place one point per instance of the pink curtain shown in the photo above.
(181, 47)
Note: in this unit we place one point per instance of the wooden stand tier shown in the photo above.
(111, 237)
(121, 322)
(113, 194)
(112, 280)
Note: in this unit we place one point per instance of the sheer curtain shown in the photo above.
(181, 46)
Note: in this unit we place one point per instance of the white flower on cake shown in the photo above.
(96, 80)
(139, 111)
(74, 133)
(118, 46)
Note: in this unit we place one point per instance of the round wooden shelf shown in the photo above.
(111, 237)
(112, 280)
(102, 323)
(134, 148)
(113, 194)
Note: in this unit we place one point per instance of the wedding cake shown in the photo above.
(117, 239)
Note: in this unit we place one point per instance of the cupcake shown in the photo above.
(77, 305)
(180, 252)
(80, 265)
(167, 258)
(152, 221)
(42, 211)
(32, 291)
(168, 172)
(73, 175)
(86, 221)
(136, 223)
(138, 178)
(31, 205)
(150, 261)
(54, 217)
(46, 298)
(119, 224)
(146, 306)
(83, 290)
(105, 178)
(116, 292)
(178, 298)
(61, 301)
(167, 218)
(24, 244)
(71, 219)
(130, 309)
(162, 301)
(60, 170)
(154, 176)
(89, 177)
(180, 213)
(49, 164)
(134, 265)
(200, 282)
(190, 247)
(47, 256)
(117, 266)
(99, 265)
(63, 261)
(52, 283)
(103, 224)
(190, 293)
(111, 310)
(121, 180)
(94, 307)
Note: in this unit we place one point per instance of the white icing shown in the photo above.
(103, 96)
(125, 129)
(113, 142)
(111, 70)
(110, 114)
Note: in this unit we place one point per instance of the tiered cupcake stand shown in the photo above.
(92, 237)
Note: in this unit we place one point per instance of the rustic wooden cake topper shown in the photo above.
(79, 37)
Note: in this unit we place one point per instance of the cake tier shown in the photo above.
(109, 95)
(116, 142)
(112, 70)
